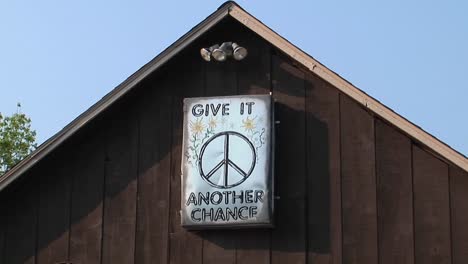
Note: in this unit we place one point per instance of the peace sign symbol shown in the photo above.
(234, 144)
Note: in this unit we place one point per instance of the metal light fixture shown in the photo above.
(223, 52)
(226, 50)
(239, 53)
(206, 52)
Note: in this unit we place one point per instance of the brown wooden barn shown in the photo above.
(357, 183)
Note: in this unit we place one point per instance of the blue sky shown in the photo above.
(59, 57)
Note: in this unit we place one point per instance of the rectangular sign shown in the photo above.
(227, 162)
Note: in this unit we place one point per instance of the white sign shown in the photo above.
(227, 176)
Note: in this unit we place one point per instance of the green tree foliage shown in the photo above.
(17, 139)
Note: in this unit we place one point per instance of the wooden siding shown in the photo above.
(323, 172)
(459, 214)
(358, 184)
(395, 195)
(87, 192)
(289, 237)
(351, 188)
(431, 209)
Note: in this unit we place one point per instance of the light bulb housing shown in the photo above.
(239, 53)
(206, 53)
(219, 55)
(223, 52)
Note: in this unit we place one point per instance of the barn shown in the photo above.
(354, 182)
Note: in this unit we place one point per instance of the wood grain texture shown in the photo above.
(459, 214)
(395, 195)
(154, 175)
(176, 153)
(289, 235)
(358, 184)
(87, 198)
(431, 209)
(120, 186)
(185, 246)
(253, 77)
(323, 171)
(54, 211)
(22, 223)
(253, 72)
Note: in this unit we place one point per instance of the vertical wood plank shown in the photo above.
(22, 223)
(253, 77)
(154, 174)
(87, 199)
(395, 195)
(289, 235)
(120, 185)
(253, 72)
(185, 246)
(358, 184)
(459, 214)
(3, 227)
(431, 209)
(54, 210)
(323, 171)
(219, 246)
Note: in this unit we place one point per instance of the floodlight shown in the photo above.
(239, 53)
(223, 52)
(206, 52)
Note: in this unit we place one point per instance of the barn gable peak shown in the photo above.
(234, 11)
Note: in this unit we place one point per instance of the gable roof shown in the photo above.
(230, 8)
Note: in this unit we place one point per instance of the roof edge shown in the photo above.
(434, 144)
(234, 10)
(87, 116)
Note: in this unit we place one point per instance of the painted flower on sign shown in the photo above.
(254, 131)
(197, 126)
(248, 124)
(200, 132)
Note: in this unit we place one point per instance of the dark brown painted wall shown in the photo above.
(352, 188)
